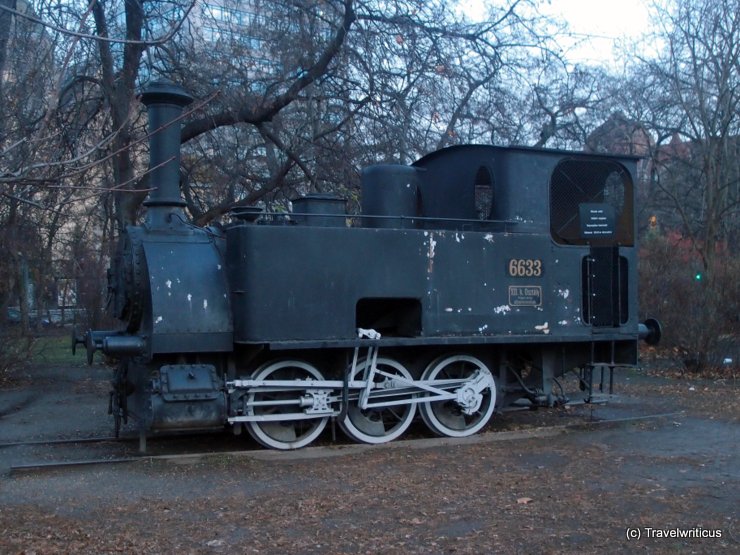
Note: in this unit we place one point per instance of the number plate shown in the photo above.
(525, 267)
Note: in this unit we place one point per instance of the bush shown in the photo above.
(698, 308)
(15, 351)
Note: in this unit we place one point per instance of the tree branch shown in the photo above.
(265, 112)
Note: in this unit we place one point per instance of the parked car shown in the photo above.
(13, 316)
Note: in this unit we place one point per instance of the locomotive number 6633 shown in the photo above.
(525, 267)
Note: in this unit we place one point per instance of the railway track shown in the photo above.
(68, 441)
(327, 450)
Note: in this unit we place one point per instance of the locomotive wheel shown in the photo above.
(449, 417)
(287, 434)
(379, 425)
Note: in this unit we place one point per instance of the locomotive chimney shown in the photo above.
(164, 101)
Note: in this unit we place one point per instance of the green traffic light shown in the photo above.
(698, 276)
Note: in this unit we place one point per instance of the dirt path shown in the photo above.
(578, 490)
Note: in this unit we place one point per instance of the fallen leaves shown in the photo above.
(467, 498)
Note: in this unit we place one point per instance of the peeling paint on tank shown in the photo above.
(565, 293)
(168, 283)
(563, 322)
(158, 320)
(218, 266)
(503, 309)
(205, 304)
(430, 253)
(190, 298)
(483, 328)
(449, 309)
(544, 328)
(488, 237)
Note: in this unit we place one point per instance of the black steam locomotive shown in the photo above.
(471, 280)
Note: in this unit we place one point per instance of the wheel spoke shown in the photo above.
(451, 418)
(368, 422)
(280, 431)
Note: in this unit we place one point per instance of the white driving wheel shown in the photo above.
(475, 401)
(381, 424)
(283, 434)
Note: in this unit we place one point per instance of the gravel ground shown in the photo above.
(548, 481)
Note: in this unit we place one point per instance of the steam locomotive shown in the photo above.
(471, 281)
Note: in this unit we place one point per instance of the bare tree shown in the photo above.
(291, 97)
(700, 77)
(291, 81)
(23, 83)
(689, 98)
(343, 85)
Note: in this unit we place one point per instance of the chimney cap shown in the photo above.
(164, 91)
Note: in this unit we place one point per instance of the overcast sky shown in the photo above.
(605, 21)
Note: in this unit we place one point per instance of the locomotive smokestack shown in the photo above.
(164, 101)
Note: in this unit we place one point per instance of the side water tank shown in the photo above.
(390, 196)
(320, 209)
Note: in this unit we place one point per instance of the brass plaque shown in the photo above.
(525, 295)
